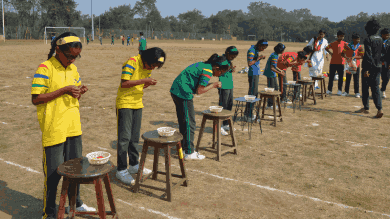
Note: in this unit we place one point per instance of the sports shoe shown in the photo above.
(223, 132)
(344, 94)
(134, 170)
(125, 177)
(83, 207)
(383, 94)
(316, 88)
(328, 92)
(357, 95)
(379, 114)
(227, 128)
(362, 110)
(339, 93)
(194, 156)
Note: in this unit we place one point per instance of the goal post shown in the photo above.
(252, 37)
(81, 30)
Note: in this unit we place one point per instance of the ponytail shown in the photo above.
(63, 47)
(213, 59)
(219, 61)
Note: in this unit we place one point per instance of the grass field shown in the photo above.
(321, 162)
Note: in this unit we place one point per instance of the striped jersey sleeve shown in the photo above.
(274, 59)
(205, 76)
(41, 80)
(360, 51)
(128, 69)
(251, 54)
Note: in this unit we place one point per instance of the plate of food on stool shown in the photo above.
(98, 157)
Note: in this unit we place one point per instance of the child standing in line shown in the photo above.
(296, 64)
(132, 41)
(353, 51)
(56, 91)
(385, 58)
(135, 77)
(112, 40)
(337, 62)
(271, 70)
(371, 68)
(226, 90)
(253, 59)
(142, 43)
(194, 80)
(123, 39)
(128, 40)
(87, 39)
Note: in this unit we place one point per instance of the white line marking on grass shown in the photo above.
(4, 123)
(287, 192)
(150, 210)
(14, 164)
(103, 148)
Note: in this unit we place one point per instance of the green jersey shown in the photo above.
(188, 81)
(142, 42)
(227, 78)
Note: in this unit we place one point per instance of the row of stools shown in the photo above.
(80, 171)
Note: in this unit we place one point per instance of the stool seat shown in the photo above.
(275, 96)
(217, 119)
(80, 171)
(322, 84)
(306, 95)
(153, 139)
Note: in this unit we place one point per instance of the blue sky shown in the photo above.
(335, 10)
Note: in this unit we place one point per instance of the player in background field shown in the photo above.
(385, 58)
(56, 91)
(337, 62)
(142, 43)
(253, 58)
(353, 51)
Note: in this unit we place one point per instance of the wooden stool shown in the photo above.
(306, 95)
(217, 119)
(240, 108)
(153, 139)
(275, 96)
(80, 171)
(322, 84)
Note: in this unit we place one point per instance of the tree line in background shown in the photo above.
(263, 20)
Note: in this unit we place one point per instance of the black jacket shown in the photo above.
(372, 54)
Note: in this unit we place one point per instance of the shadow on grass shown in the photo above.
(18, 205)
(352, 113)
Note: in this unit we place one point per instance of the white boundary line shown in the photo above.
(23, 167)
(150, 210)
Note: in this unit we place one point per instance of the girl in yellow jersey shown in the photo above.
(56, 90)
(135, 77)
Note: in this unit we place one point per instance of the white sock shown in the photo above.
(316, 83)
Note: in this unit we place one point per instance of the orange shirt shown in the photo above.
(286, 58)
(337, 48)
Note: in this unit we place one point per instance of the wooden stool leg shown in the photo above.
(141, 166)
(215, 130)
(100, 199)
(322, 91)
(167, 153)
(110, 197)
(274, 105)
(280, 110)
(314, 96)
(64, 194)
(155, 162)
(262, 114)
(323, 81)
(232, 135)
(181, 161)
(201, 132)
(219, 141)
(72, 204)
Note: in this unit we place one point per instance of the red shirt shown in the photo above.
(286, 58)
(348, 51)
(337, 48)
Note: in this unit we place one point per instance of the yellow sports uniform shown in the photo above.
(131, 98)
(59, 118)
